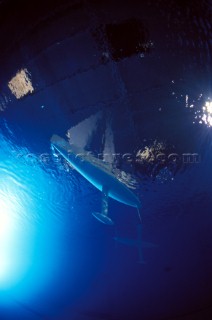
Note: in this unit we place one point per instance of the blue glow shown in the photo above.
(12, 243)
(6, 239)
(14, 234)
(28, 260)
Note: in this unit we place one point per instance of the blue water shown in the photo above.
(90, 87)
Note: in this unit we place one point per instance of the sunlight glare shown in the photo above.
(9, 239)
(207, 113)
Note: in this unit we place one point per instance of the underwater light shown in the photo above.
(207, 113)
(10, 235)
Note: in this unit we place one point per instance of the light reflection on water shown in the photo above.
(30, 221)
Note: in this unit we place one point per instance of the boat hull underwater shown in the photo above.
(96, 173)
